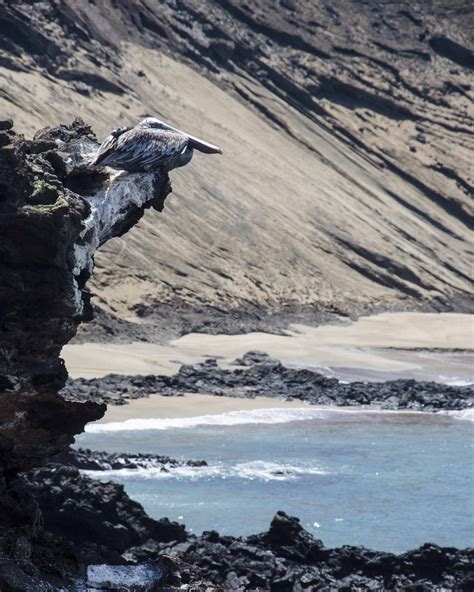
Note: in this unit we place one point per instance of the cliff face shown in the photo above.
(347, 134)
(55, 211)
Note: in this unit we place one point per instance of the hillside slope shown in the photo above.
(347, 129)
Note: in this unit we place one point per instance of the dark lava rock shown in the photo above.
(289, 539)
(83, 510)
(97, 460)
(6, 124)
(40, 222)
(258, 374)
(288, 558)
(100, 524)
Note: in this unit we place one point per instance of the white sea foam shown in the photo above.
(244, 417)
(253, 416)
(254, 470)
(454, 381)
(465, 414)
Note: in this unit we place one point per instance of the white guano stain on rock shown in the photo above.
(120, 194)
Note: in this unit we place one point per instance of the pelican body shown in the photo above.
(150, 145)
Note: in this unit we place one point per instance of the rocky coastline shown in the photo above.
(61, 530)
(256, 373)
(98, 460)
(124, 539)
(286, 558)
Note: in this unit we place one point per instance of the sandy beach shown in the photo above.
(379, 343)
(192, 405)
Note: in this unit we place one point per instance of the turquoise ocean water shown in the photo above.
(389, 481)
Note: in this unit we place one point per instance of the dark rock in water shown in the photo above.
(259, 374)
(96, 460)
(288, 558)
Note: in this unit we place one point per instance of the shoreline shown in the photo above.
(190, 405)
(164, 322)
(388, 345)
(258, 375)
(194, 405)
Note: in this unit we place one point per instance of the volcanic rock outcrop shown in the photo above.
(256, 373)
(55, 212)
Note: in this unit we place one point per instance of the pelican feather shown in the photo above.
(150, 145)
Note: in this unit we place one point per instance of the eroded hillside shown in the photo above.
(347, 129)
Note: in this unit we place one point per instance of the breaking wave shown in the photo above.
(254, 470)
(262, 416)
(270, 416)
(456, 381)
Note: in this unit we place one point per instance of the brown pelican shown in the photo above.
(150, 145)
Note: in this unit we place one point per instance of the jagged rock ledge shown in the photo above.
(99, 460)
(286, 558)
(56, 210)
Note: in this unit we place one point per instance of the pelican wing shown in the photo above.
(196, 143)
(144, 149)
(106, 149)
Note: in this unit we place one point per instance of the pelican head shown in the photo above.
(154, 123)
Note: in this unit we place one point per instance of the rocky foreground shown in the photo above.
(287, 558)
(259, 374)
(88, 521)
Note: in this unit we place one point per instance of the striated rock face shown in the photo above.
(55, 212)
(347, 131)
